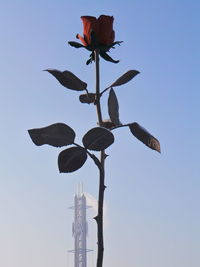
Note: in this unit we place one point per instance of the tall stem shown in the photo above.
(99, 218)
(98, 104)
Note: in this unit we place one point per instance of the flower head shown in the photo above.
(98, 34)
(102, 28)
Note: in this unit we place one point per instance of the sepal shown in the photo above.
(76, 44)
(106, 48)
(105, 56)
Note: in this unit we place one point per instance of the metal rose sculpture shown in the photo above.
(98, 38)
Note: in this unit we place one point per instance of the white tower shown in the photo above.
(79, 230)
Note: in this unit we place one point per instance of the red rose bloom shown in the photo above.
(102, 27)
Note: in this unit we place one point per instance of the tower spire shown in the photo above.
(80, 228)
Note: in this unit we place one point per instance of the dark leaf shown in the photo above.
(68, 79)
(98, 139)
(105, 56)
(126, 77)
(75, 44)
(71, 159)
(144, 136)
(87, 98)
(58, 135)
(113, 107)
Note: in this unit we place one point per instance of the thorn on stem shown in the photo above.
(96, 218)
(105, 155)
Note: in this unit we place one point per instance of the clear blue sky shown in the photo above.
(152, 200)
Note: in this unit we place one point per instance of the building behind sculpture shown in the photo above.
(80, 230)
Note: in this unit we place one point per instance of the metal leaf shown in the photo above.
(71, 159)
(113, 107)
(58, 135)
(87, 98)
(126, 77)
(144, 136)
(68, 79)
(98, 139)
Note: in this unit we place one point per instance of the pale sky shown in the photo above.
(152, 200)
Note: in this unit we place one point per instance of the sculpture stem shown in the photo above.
(99, 217)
